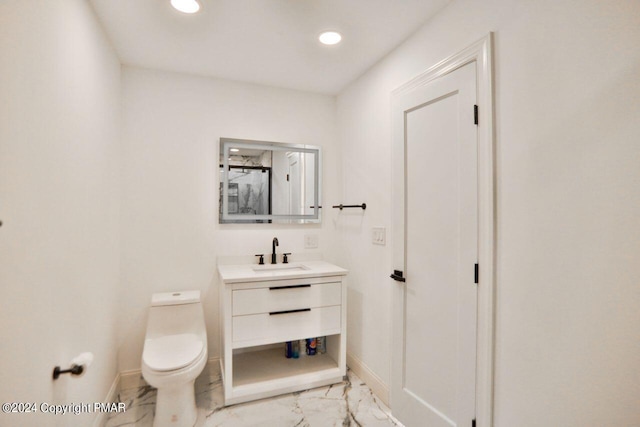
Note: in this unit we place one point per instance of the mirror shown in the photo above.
(263, 182)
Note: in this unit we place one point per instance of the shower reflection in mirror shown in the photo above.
(268, 181)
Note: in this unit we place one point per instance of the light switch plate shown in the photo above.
(310, 241)
(378, 236)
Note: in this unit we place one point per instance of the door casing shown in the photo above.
(481, 53)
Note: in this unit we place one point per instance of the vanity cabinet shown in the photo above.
(262, 309)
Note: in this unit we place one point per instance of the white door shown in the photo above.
(435, 247)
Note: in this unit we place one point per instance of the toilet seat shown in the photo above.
(171, 352)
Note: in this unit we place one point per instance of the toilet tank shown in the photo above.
(175, 313)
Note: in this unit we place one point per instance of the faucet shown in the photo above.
(273, 253)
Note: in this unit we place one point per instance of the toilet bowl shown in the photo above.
(175, 353)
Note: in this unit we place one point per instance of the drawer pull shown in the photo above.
(275, 288)
(273, 313)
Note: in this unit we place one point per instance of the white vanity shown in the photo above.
(264, 306)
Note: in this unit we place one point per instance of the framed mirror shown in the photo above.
(264, 182)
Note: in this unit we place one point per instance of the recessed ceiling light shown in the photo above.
(186, 6)
(234, 150)
(330, 37)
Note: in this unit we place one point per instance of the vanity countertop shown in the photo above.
(293, 270)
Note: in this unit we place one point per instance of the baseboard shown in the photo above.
(131, 379)
(374, 382)
(101, 417)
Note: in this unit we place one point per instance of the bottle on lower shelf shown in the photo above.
(311, 346)
(288, 349)
(295, 349)
(305, 347)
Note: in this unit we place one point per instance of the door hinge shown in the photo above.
(475, 114)
(475, 274)
(287, 177)
(473, 422)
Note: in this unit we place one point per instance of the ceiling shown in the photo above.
(269, 42)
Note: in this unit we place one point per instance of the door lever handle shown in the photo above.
(398, 276)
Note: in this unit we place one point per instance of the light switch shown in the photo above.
(310, 241)
(378, 236)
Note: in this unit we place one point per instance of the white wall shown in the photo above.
(568, 203)
(59, 242)
(171, 237)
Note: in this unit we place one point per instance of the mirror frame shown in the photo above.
(227, 143)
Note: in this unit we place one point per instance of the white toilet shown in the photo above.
(175, 353)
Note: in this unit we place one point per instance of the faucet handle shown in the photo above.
(285, 260)
(261, 259)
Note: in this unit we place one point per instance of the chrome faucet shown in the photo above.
(273, 253)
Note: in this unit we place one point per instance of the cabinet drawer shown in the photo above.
(265, 300)
(267, 328)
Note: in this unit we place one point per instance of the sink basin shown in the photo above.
(280, 267)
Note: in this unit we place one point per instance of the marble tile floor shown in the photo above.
(350, 403)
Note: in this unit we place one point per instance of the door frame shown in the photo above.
(481, 53)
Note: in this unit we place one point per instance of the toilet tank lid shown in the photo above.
(175, 298)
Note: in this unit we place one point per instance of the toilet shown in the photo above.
(175, 353)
